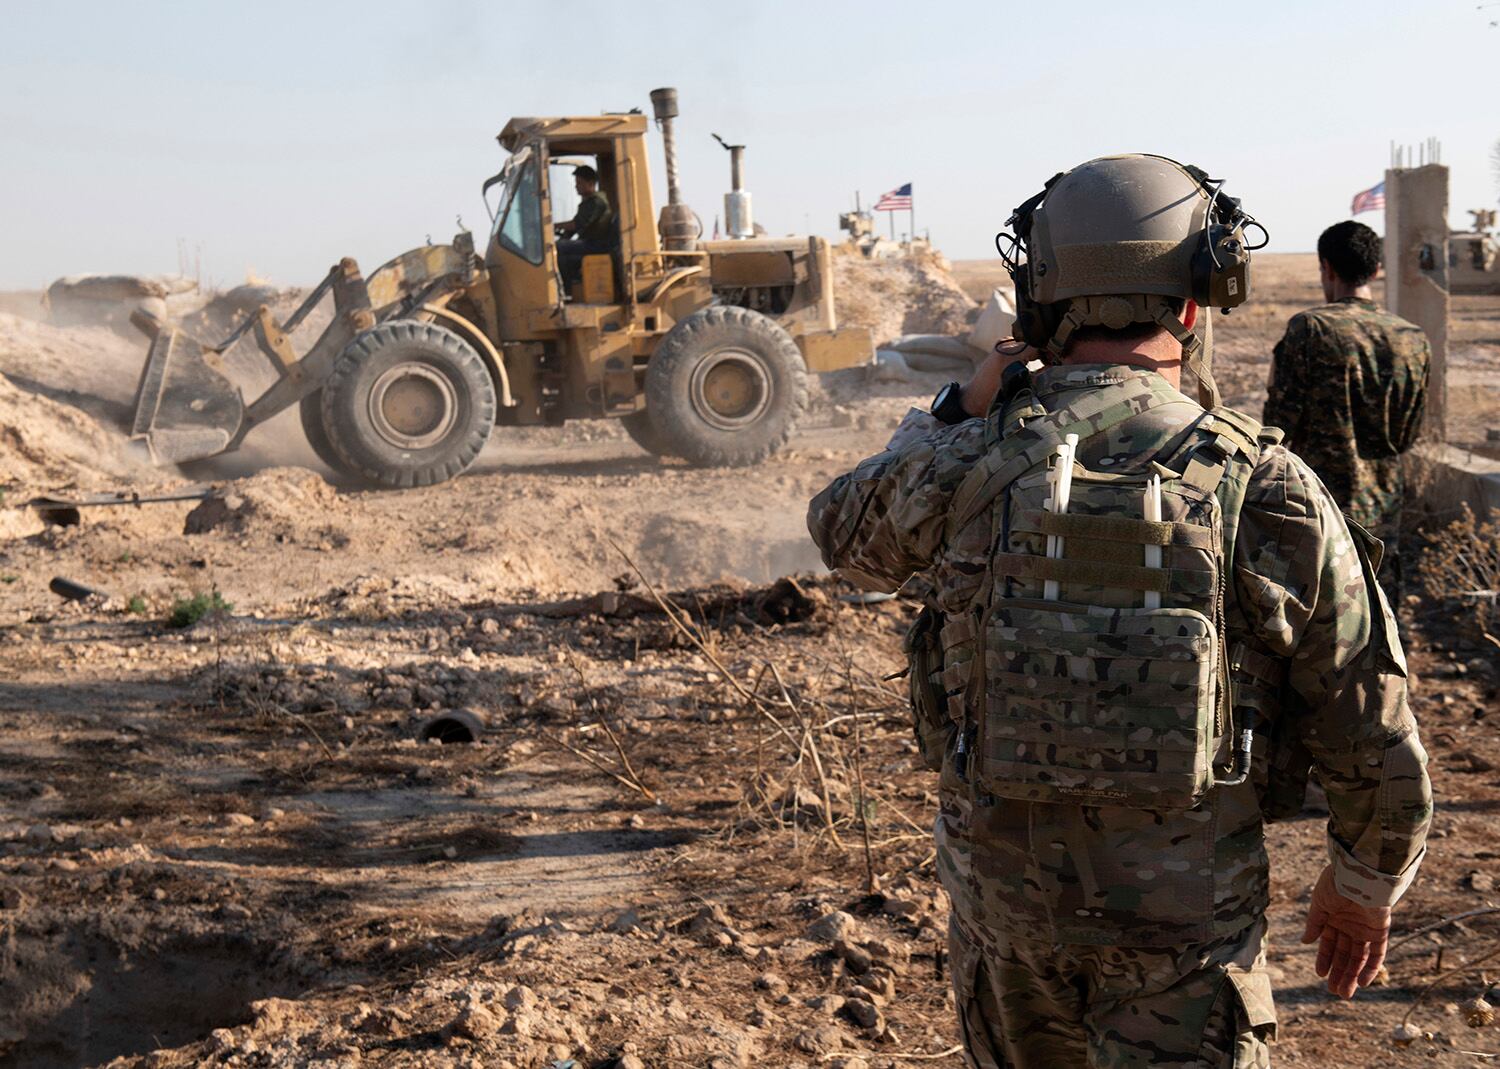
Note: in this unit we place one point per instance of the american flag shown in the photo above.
(897, 200)
(1371, 200)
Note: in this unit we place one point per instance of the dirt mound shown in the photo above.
(910, 295)
(278, 500)
(90, 367)
(47, 445)
(109, 300)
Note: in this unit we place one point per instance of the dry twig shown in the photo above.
(859, 778)
(1493, 952)
(1435, 925)
(591, 760)
(904, 1057)
(634, 777)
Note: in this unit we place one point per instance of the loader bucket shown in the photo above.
(185, 408)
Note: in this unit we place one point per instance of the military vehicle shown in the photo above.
(701, 348)
(1474, 256)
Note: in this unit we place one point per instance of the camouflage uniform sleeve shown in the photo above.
(883, 521)
(1287, 390)
(1302, 585)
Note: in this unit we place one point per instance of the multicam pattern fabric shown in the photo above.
(1024, 1004)
(1348, 386)
(1320, 666)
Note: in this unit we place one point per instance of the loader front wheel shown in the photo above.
(725, 387)
(408, 404)
(310, 409)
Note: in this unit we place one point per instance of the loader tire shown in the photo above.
(726, 387)
(645, 433)
(310, 409)
(408, 404)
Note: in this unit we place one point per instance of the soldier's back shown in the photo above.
(1365, 384)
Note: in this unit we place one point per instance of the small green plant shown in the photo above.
(8, 579)
(136, 606)
(188, 611)
(125, 557)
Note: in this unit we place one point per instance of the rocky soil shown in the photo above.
(242, 823)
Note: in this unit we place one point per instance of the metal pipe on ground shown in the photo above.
(68, 590)
(452, 726)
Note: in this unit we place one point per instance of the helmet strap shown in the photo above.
(1193, 354)
(1075, 318)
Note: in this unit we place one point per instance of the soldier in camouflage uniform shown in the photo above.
(1108, 935)
(1348, 385)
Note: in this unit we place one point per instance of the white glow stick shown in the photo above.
(1062, 486)
(1153, 553)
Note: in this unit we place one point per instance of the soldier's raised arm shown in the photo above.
(1310, 597)
(884, 520)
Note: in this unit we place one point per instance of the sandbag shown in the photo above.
(994, 323)
(936, 345)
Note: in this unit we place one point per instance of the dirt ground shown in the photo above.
(229, 842)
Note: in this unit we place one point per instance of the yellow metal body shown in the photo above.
(587, 357)
(598, 283)
(552, 358)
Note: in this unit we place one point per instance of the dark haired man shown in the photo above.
(591, 228)
(1348, 386)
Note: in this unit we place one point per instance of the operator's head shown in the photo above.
(585, 180)
(1350, 253)
(1123, 250)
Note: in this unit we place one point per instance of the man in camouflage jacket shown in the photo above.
(1087, 935)
(1348, 386)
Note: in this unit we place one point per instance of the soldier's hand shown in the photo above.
(980, 391)
(1351, 938)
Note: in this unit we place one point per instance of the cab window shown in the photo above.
(520, 228)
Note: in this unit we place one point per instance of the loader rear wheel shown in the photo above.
(645, 433)
(725, 387)
(408, 404)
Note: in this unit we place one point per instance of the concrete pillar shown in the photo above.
(1416, 270)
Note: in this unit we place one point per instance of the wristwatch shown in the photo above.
(948, 405)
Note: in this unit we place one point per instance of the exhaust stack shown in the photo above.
(737, 218)
(678, 225)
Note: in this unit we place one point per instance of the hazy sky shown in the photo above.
(277, 136)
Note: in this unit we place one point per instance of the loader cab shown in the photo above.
(535, 192)
(599, 278)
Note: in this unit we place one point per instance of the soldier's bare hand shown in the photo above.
(980, 391)
(1351, 938)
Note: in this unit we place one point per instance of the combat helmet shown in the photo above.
(1120, 240)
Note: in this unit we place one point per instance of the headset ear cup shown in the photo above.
(1036, 323)
(1221, 268)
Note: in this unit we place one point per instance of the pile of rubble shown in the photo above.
(46, 444)
(908, 295)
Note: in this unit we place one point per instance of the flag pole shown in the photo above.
(892, 217)
(911, 212)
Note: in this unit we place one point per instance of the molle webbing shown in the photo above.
(1105, 574)
(1036, 441)
(1117, 529)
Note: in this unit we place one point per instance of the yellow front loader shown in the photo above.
(702, 348)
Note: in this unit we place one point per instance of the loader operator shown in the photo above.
(1106, 556)
(591, 230)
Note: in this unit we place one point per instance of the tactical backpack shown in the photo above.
(1090, 666)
